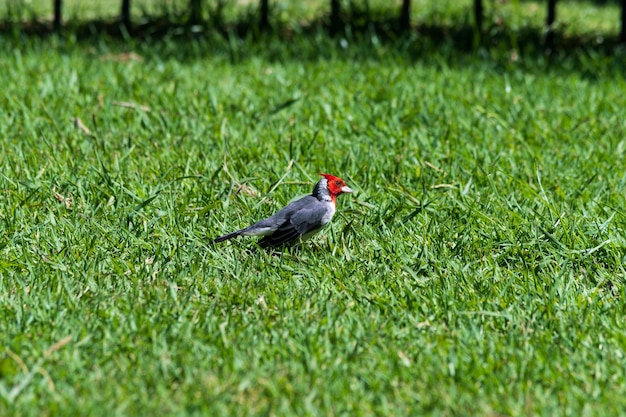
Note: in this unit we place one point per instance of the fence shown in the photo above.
(196, 7)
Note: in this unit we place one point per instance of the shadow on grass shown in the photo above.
(359, 38)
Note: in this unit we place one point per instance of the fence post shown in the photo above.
(405, 15)
(550, 19)
(125, 13)
(195, 12)
(335, 18)
(622, 33)
(264, 14)
(478, 15)
(58, 7)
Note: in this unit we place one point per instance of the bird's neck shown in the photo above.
(322, 193)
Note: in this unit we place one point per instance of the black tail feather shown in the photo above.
(227, 236)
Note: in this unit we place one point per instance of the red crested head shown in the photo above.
(336, 185)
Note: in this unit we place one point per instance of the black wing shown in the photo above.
(307, 218)
(281, 236)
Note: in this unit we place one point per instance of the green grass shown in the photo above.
(476, 271)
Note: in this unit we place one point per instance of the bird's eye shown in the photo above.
(337, 182)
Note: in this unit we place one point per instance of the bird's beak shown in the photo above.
(346, 189)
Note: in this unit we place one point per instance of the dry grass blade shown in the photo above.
(130, 105)
(122, 57)
(16, 390)
(68, 201)
(79, 124)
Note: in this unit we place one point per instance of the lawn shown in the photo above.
(477, 269)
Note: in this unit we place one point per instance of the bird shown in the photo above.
(299, 220)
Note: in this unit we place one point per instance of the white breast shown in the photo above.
(329, 214)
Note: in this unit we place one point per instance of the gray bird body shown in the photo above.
(298, 220)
